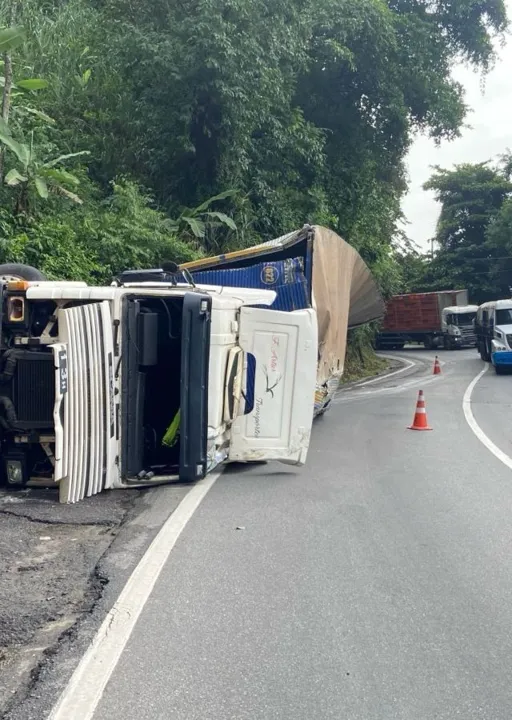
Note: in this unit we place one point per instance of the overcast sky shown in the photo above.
(489, 135)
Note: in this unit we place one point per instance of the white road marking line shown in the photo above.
(475, 427)
(346, 396)
(83, 692)
(409, 365)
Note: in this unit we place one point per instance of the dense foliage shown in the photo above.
(280, 113)
(474, 233)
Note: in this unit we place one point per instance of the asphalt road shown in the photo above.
(376, 583)
(373, 584)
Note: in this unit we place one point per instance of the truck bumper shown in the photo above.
(464, 342)
(503, 358)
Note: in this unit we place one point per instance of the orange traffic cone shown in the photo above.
(420, 416)
(437, 367)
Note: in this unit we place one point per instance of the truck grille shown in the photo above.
(33, 391)
(468, 334)
(88, 413)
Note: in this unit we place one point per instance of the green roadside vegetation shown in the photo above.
(132, 132)
(361, 361)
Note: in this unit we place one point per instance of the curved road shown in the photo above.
(373, 584)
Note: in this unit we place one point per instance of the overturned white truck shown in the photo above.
(159, 377)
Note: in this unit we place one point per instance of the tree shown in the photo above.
(499, 239)
(305, 108)
(471, 198)
(97, 240)
(34, 175)
(10, 38)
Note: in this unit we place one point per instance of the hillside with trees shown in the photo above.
(134, 131)
(474, 233)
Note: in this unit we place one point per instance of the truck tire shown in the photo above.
(16, 271)
(499, 370)
(428, 342)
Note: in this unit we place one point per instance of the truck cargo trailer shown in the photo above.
(435, 319)
(310, 268)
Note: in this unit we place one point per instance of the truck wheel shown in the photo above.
(16, 271)
(499, 370)
(428, 342)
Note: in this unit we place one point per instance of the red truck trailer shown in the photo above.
(435, 319)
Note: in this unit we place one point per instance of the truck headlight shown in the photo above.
(498, 346)
(16, 309)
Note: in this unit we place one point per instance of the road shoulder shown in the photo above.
(394, 364)
(62, 567)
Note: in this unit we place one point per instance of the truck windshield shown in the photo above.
(504, 317)
(464, 318)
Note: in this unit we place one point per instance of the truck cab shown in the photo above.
(493, 327)
(149, 380)
(458, 326)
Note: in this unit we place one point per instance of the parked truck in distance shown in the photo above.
(436, 319)
(493, 327)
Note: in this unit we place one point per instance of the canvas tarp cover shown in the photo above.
(346, 296)
(344, 291)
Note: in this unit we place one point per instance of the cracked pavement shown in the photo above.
(62, 567)
(49, 555)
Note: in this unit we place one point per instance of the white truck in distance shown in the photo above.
(92, 378)
(493, 326)
(457, 323)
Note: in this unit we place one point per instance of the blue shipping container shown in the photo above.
(285, 277)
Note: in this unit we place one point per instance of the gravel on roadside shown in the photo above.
(49, 555)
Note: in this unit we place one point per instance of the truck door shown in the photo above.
(280, 380)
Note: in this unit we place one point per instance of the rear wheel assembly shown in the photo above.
(16, 271)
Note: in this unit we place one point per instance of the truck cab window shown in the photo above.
(504, 317)
(462, 319)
